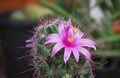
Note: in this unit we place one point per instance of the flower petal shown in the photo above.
(52, 38)
(60, 27)
(88, 43)
(56, 48)
(69, 23)
(79, 34)
(85, 52)
(67, 54)
(76, 54)
(68, 26)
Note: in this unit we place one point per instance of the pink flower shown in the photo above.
(71, 40)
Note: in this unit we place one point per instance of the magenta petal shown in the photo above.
(79, 34)
(88, 43)
(69, 23)
(68, 26)
(56, 48)
(60, 27)
(51, 41)
(85, 52)
(76, 54)
(67, 54)
(52, 38)
(69, 34)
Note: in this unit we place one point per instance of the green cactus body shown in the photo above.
(54, 67)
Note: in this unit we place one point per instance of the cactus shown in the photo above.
(54, 67)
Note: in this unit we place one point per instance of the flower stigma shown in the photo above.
(70, 40)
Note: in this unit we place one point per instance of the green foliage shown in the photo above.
(108, 53)
(66, 9)
(35, 12)
(111, 6)
(31, 12)
(17, 16)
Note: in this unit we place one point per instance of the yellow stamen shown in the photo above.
(70, 40)
(75, 30)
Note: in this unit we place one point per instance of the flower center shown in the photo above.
(70, 40)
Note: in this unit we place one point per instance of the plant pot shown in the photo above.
(13, 35)
(110, 69)
(107, 73)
